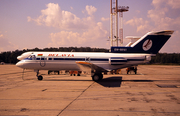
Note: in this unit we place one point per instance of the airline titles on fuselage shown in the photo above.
(62, 55)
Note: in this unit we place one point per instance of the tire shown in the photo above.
(40, 77)
(97, 77)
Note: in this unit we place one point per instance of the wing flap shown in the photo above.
(88, 67)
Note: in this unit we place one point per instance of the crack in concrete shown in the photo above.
(75, 98)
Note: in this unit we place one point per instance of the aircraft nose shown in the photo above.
(19, 64)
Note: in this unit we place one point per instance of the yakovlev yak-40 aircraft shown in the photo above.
(96, 63)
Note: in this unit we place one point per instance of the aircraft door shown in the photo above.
(42, 61)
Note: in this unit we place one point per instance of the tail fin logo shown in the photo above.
(147, 45)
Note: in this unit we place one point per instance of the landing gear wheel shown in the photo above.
(97, 77)
(40, 77)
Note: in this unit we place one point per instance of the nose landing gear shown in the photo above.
(39, 77)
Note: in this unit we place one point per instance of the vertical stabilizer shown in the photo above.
(150, 43)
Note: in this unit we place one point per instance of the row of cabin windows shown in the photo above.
(80, 59)
(33, 58)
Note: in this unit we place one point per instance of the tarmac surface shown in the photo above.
(154, 90)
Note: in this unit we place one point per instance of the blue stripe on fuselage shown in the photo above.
(91, 59)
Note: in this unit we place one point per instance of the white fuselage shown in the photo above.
(67, 60)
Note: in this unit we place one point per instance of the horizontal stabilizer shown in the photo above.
(168, 32)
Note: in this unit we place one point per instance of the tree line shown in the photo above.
(166, 58)
(160, 58)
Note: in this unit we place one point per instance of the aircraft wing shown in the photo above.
(88, 67)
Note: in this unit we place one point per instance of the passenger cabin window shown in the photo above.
(43, 58)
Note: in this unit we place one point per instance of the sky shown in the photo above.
(27, 24)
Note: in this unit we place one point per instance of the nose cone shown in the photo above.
(19, 64)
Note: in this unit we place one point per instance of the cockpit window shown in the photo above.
(31, 57)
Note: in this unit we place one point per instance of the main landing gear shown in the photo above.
(97, 76)
(39, 77)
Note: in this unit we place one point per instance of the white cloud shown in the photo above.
(1, 35)
(159, 15)
(69, 38)
(90, 9)
(55, 17)
(104, 19)
(137, 11)
(175, 4)
(65, 38)
(75, 31)
(159, 18)
(141, 24)
(6, 45)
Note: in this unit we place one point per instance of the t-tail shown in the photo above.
(150, 43)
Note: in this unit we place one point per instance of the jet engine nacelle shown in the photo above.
(117, 60)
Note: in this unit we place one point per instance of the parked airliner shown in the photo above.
(96, 63)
